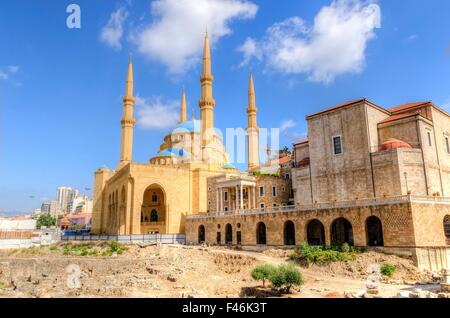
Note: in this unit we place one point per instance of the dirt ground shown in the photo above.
(185, 271)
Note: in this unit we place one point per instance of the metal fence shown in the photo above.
(136, 238)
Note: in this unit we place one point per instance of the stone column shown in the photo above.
(254, 197)
(242, 196)
(236, 200)
(221, 199)
(217, 200)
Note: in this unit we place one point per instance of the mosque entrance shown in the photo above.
(153, 210)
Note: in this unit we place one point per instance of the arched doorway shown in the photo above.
(228, 234)
(201, 234)
(122, 211)
(447, 229)
(261, 234)
(153, 210)
(374, 231)
(341, 232)
(315, 233)
(289, 233)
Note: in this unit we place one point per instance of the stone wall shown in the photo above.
(396, 219)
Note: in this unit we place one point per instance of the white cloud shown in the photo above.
(412, 37)
(13, 69)
(3, 75)
(250, 50)
(334, 45)
(287, 124)
(112, 32)
(175, 38)
(157, 113)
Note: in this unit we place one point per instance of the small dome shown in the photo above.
(393, 143)
(229, 166)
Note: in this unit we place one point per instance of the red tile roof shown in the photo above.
(398, 117)
(408, 106)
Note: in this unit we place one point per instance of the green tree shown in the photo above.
(46, 220)
(286, 276)
(263, 272)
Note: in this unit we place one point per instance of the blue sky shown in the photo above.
(61, 88)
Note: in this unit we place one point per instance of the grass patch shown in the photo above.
(388, 269)
(102, 249)
(308, 254)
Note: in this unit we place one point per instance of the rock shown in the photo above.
(432, 295)
(354, 294)
(442, 295)
(403, 294)
(171, 278)
(373, 291)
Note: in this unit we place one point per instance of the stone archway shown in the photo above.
(261, 234)
(289, 233)
(374, 231)
(201, 234)
(153, 210)
(228, 234)
(446, 224)
(341, 232)
(315, 232)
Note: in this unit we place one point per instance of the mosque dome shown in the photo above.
(393, 143)
(173, 152)
(229, 166)
(188, 126)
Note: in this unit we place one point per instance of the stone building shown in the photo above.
(358, 150)
(157, 196)
(366, 176)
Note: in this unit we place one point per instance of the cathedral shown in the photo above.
(156, 197)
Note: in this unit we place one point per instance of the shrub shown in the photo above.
(319, 255)
(345, 248)
(388, 269)
(286, 276)
(263, 272)
(45, 220)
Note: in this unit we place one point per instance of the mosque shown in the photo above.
(156, 197)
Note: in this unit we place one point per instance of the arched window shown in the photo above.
(201, 234)
(341, 232)
(228, 234)
(289, 233)
(316, 233)
(374, 231)
(154, 197)
(447, 228)
(154, 216)
(261, 234)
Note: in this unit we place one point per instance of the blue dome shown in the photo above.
(173, 152)
(229, 166)
(190, 126)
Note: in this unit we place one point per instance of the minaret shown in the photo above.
(252, 129)
(183, 115)
(207, 101)
(128, 121)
